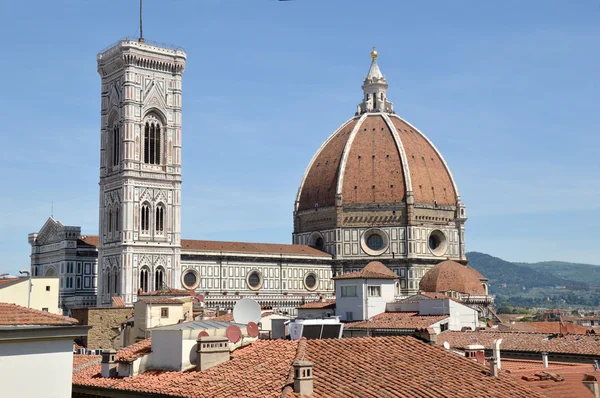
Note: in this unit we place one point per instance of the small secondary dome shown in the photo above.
(452, 276)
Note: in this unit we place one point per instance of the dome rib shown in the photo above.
(401, 151)
(314, 158)
(439, 154)
(345, 154)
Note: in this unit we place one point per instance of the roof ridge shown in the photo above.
(300, 353)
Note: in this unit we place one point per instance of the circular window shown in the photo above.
(190, 279)
(437, 243)
(310, 281)
(374, 242)
(254, 280)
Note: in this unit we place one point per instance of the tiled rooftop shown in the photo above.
(571, 386)
(160, 300)
(15, 315)
(397, 320)
(5, 281)
(546, 327)
(135, 351)
(373, 270)
(318, 305)
(168, 292)
(519, 341)
(237, 247)
(249, 247)
(356, 367)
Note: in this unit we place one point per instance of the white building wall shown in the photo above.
(167, 349)
(363, 306)
(41, 368)
(41, 297)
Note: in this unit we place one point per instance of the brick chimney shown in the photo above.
(109, 365)
(212, 351)
(303, 377)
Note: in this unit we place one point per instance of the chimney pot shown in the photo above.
(544, 359)
(303, 377)
(591, 382)
(109, 364)
(212, 351)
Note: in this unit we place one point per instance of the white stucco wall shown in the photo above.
(40, 297)
(167, 349)
(362, 306)
(36, 368)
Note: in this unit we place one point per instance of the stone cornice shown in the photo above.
(132, 53)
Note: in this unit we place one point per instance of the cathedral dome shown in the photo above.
(452, 276)
(376, 157)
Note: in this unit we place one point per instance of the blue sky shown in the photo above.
(507, 90)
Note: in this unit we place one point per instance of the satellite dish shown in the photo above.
(245, 311)
(252, 329)
(234, 334)
(203, 333)
(446, 345)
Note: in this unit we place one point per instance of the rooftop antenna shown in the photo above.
(141, 39)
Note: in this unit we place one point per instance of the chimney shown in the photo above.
(496, 351)
(591, 382)
(109, 366)
(544, 359)
(212, 351)
(493, 367)
(303, 377)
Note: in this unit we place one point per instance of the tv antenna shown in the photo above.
(141, 39)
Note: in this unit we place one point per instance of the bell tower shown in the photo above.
(140, 169)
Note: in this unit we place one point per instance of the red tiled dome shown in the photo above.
(376, 158)
(450, 275)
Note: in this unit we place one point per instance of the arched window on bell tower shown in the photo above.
(160, 219)
(116, 145)
(144, 279)
(145, 218)
(152, 141)
(159, 277)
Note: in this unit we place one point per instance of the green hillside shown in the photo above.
(587, 274)
(538, 285)
(500, 272)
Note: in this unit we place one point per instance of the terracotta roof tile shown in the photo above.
(168, 292)
(397, 320)
(88, 240)
(135, 351)
(318, 305)
(355, 367)
(520, 341)
(248, 247)
(160, 300)
(15, 315)
(373, 270)
(546, 327)
(571, 386)
(117, 301)
(5, 281)
(223, 318)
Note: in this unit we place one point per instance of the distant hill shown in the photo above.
(586, 274)
(539, 285)
(500, 272)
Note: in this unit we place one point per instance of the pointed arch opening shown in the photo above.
(144, 273)
(159, 278)
(153, 129)
(145, 218)
(159, 221)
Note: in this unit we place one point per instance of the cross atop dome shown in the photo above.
(375, 90)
